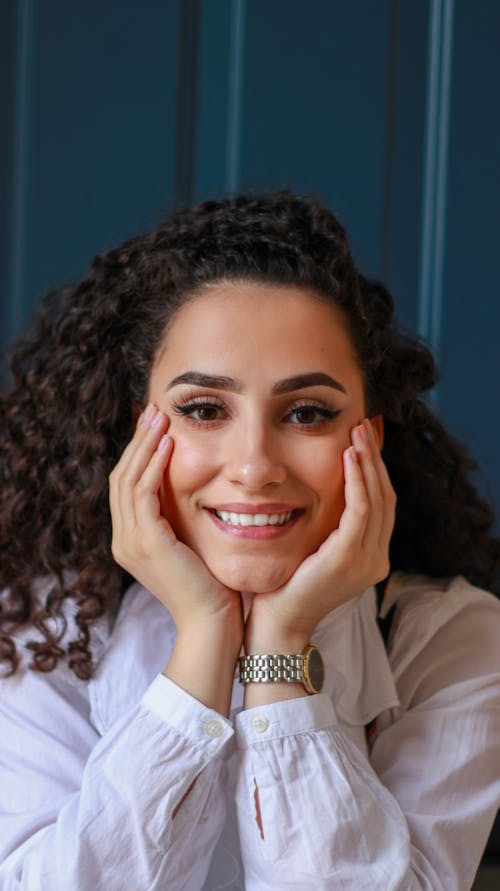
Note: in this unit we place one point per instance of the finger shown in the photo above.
(387, 492)
(355, 516)
(147, 503)
(144, 448)
(140, 433)
(134, 460)
(366, 450)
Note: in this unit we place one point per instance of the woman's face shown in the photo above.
(262, 389)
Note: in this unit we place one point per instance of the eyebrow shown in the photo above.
(287, 385)
(313, 379)
(216, 382)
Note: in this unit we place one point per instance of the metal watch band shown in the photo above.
(272, 668)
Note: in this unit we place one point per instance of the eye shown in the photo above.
(311, 415)
(201, 411)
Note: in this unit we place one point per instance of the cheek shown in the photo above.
(327, 479)
(188, 470)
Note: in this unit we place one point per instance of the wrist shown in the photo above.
(281, 675)
(223, 640)
(203, 663)
(274, 640)
(223, 628)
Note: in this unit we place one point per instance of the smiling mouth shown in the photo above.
(274, 519)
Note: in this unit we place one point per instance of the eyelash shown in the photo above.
(187, 409)
(191, 405)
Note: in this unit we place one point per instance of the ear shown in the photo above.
(377, 423)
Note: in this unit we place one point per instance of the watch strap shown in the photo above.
(305, 668)
(269, 668)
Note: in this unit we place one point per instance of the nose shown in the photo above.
(255, 459)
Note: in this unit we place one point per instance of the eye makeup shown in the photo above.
(205, 410)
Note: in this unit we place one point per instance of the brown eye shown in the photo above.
(201, 412)
(306, 415)
(311, 415)
(207, 413)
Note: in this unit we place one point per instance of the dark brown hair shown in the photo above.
(68, 413)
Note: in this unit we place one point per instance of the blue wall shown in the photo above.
(113, 112)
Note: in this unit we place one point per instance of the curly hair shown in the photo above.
(78, 377)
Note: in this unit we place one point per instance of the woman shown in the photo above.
(256, 410)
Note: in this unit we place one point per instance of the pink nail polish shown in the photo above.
(148, 413)
(156, 420)
(359, 436)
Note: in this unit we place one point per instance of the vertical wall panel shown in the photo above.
(216, 35)
(305, 98)
(315, 107)
(404, 158)
(471, 311)
(7, 57)
(187, 106)
(101, 154)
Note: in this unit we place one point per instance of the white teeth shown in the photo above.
(253, 519)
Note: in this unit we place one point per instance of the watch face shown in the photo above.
(315, 670)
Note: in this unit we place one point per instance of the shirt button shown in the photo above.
(213, 728)
(260, 724)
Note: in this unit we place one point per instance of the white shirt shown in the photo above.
(127, 782)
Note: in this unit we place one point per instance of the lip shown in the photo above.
(255, 533)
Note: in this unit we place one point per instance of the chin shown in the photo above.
(255, 576)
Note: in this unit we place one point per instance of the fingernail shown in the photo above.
(156, 420)
(148, 413)
(163, 443)
(359, 435)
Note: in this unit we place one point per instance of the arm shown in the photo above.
(313, 810)
(140, 805)
(208, 616)
(414, 815)
(147, 800)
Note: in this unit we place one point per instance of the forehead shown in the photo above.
(245, 323)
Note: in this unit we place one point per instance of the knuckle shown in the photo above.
(362, 508)
(142, 487)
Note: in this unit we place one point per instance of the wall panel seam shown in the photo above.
(20, 161)
(433, 232)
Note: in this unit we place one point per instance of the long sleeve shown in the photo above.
(413, 814)
(139, 808)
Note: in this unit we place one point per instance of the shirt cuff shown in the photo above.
(185, 714)
(287, 718)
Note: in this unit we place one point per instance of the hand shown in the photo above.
(145, 544)
(353, 557)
